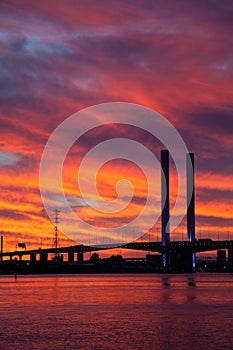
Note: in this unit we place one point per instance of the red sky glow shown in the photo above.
(58, 57)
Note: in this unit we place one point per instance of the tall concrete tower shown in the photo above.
(190, 197)
(190, 201)
(165, 203)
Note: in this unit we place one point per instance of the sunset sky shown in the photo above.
(58, 57)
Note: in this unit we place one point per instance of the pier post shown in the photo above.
(33, 257)
(70, 257)
(80, 257)
(43, 256)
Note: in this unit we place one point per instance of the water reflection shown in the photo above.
(132, 311)
(178, 289)
(166, 281)
(191, 282)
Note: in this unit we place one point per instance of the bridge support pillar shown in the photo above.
(189, 262)
(80, 257)
(33, 257)
(230, 258)
(70, 257)
(43, 256)
(182, 262)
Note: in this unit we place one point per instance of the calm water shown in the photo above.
(130, 311)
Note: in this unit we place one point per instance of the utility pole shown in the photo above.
(56, 222)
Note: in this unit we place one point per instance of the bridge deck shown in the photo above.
(173, 247)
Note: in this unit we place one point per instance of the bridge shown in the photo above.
(179, 252)
(176, 254)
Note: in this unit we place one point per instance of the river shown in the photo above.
(118, 311)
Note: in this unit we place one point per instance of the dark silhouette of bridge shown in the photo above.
(176, 254)
(179, 251)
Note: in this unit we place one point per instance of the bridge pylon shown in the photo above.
(165, 206)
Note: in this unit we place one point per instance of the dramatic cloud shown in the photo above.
(57, 57)
(8, 159)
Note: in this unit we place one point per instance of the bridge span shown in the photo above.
(176, 250)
